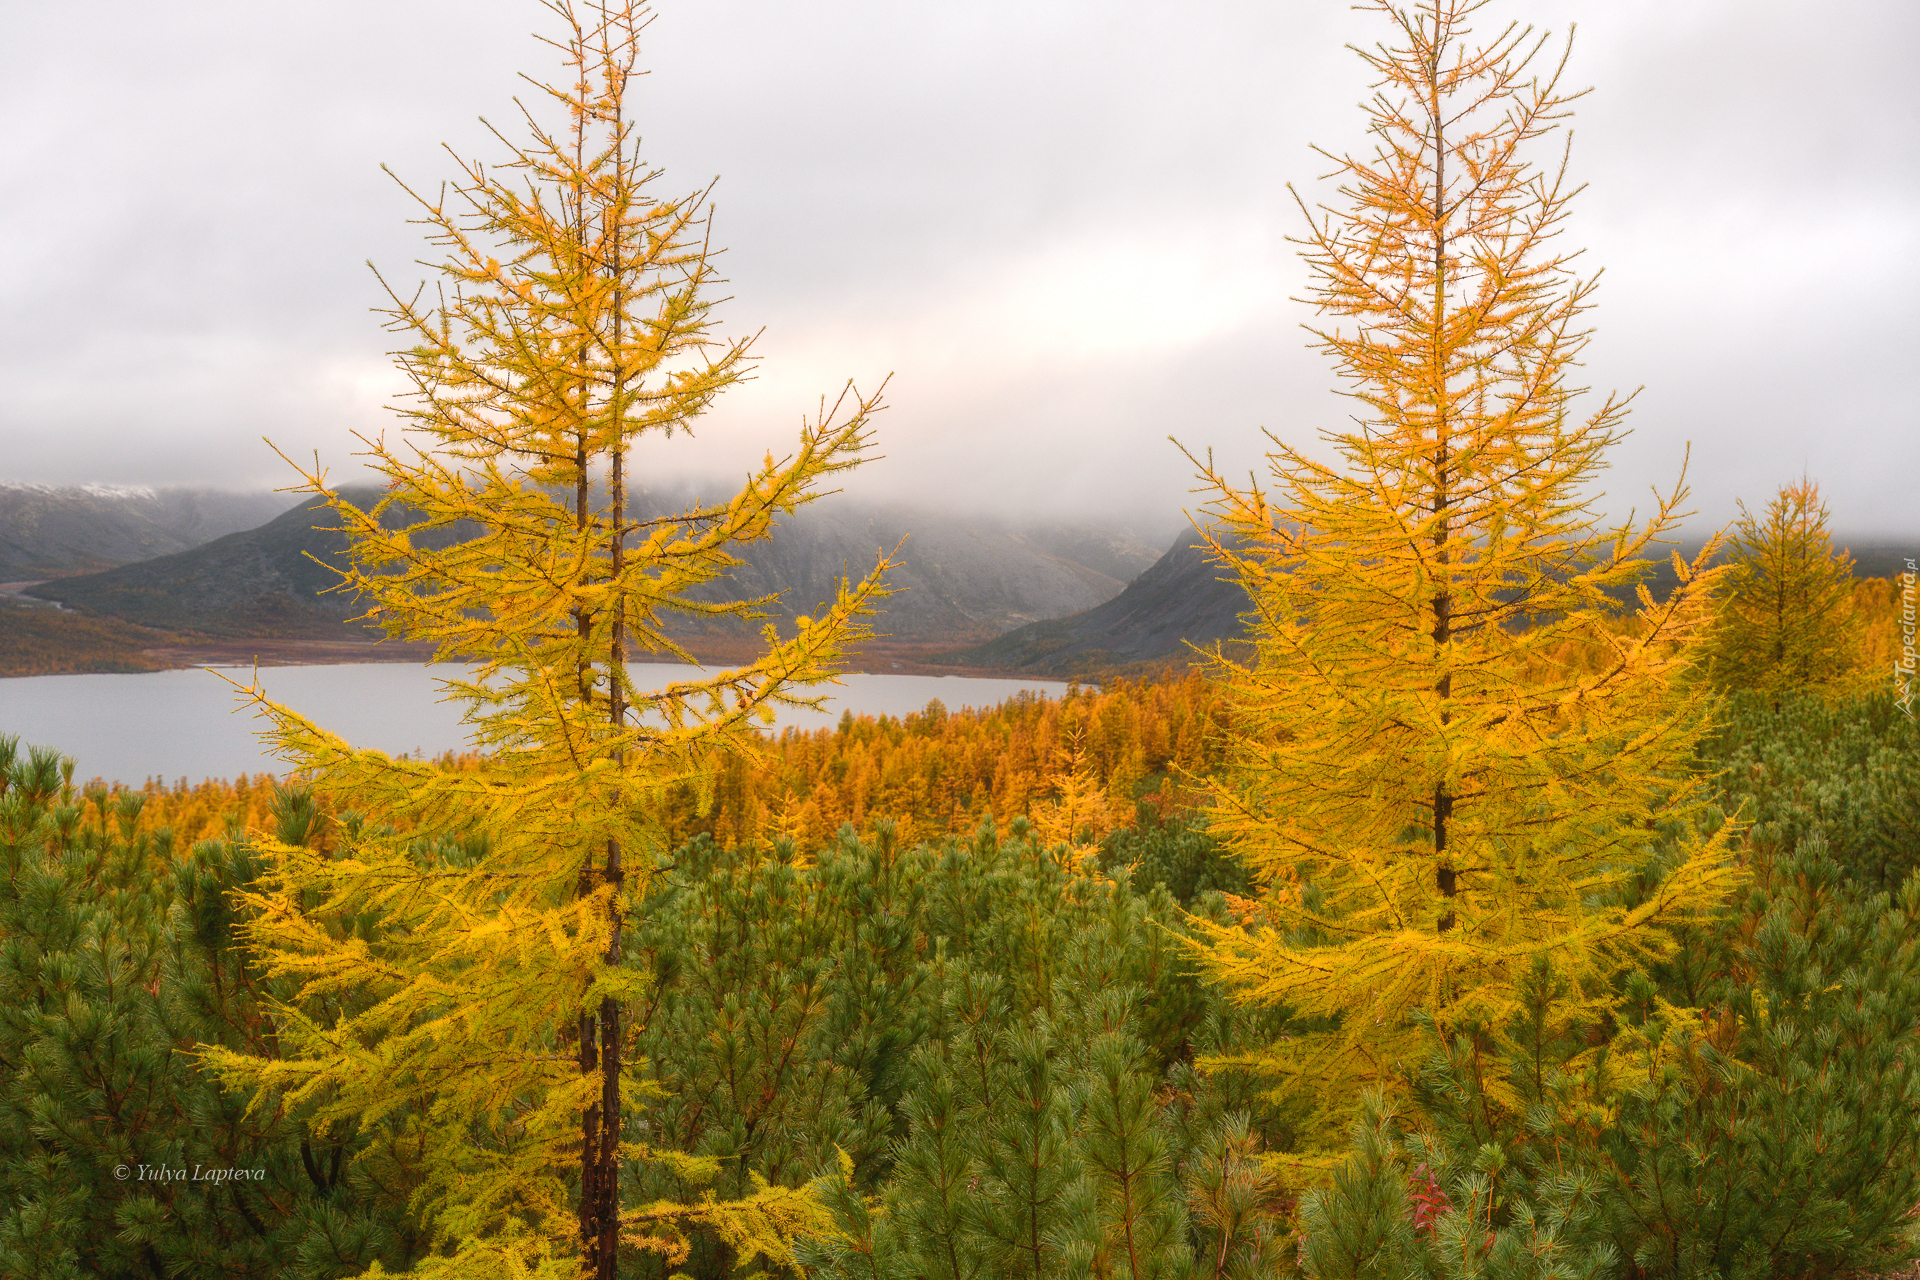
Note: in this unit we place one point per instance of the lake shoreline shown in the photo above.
(881, 657)
(127, 647)
(191, 722)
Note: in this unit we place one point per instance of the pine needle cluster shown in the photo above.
(119, 1154)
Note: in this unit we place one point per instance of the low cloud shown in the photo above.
(1060, 227)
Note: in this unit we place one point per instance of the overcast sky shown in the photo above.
(1060, 224)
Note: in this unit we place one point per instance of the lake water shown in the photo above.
(174, 724)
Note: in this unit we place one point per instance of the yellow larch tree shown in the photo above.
(1433, 777)
(1787, 618)
(459, 955)
(1081, 809)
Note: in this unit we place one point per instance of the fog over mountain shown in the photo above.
(1050, 597)
(955, 579)
(49, 531)
(1061, 225)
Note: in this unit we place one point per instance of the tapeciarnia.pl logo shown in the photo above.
(1903, 666)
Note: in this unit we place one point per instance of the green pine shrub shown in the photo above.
(1771, 1130)
(1054, 1123)
(1782, 1137)
(1849, 769)
(119, 1155)
(985, 1056)
(1237, 1209)
(1176, 852)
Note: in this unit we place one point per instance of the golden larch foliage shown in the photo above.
(938, 771)
(1449, 755)
(469, 991)
(1877, 609)
(1786, 618)
(935, 772)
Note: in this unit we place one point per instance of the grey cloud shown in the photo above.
(1061, 226)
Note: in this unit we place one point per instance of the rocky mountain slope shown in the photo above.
(256, 583)
(49, 531)
(956, 578)
(1183, 599)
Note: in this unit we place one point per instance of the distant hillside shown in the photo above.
(258, 583)
(958, 579)
(49, 532)
(39, 640)
(1182, 598)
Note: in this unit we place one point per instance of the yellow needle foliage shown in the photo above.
(459, 952)
(942, 771)
(1787, 618)
(206, 810)
(932, 773)
(1449, 751)
(1877, 609)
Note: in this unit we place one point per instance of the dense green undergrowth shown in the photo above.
(994, 1059)
(1756, 1115)
(1848, 770)
(119, 1156)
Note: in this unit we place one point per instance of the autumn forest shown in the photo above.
(1484, 914)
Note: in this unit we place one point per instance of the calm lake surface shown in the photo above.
(174, 724)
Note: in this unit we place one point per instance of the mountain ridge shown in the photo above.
(1186, 602)
(956, 578)
(1182, 600)
(52, 531)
